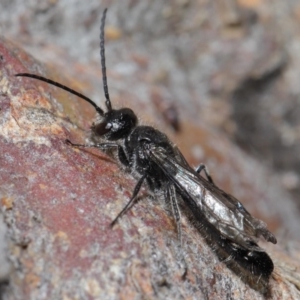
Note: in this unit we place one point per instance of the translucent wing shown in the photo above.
(221, 210)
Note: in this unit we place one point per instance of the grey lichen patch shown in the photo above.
(39, 117)
(26, 116)
(4, 84)
(30, 124)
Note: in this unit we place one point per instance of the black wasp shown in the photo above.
(225, 222)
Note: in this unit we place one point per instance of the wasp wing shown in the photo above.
(221, 210)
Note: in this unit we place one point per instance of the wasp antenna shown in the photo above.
(98, 109)
(102, 55)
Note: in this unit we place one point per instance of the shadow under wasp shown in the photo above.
(227, 225)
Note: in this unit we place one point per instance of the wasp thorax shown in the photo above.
(116, 124)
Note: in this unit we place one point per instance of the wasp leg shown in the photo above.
(132, 199)
(171, 194)
(204, 168)
(105, 146)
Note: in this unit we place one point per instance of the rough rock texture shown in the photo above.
(57, 202)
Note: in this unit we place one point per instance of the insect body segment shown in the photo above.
(149, 153)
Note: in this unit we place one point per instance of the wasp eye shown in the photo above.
(108, 126)
(102, 128)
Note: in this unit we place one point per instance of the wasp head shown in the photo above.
(115, 124)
